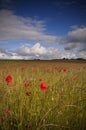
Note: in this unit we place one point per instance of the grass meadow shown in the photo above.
(58, 105)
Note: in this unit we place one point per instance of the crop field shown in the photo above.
(42, 95)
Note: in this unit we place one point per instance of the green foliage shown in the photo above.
(61, 107)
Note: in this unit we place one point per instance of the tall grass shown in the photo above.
(61, 107)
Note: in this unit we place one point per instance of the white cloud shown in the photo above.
(13, 27)
(35, 50)
(77, 35)
(38, 51)
(76, 39)
(72, 45)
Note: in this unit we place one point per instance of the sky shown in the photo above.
(42, 29)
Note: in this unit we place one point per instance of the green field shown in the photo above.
(24, 105)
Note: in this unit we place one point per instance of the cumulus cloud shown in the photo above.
(72, 45)
(76, 39)
(13, 27)
(35, 50)
(77, 35)
(38, 51)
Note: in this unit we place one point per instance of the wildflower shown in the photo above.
(28, 93)
(8, 79)
(40, 79)
(26, 85)
(64, 69)
(6, 112)
(22, 68)
(75, 78)
(43, 86)
(84, 67)
(49, 70)
(56, 67)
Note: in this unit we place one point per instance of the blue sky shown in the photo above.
(44, 29)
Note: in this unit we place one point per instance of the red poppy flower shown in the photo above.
(49, 70)
(26, 85)
(22, 68)
(28, 93)
(75, 78)
(40, 79)
(64, 69)
(43, 86)
(84, 67)
(6, 112)
(8, 79)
